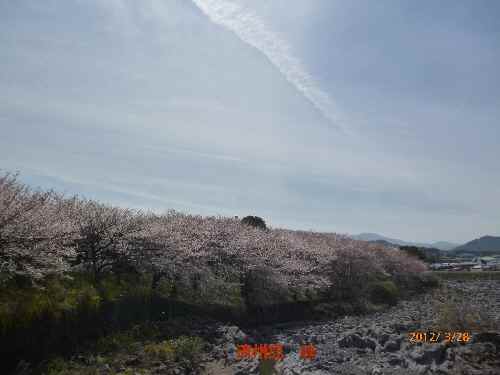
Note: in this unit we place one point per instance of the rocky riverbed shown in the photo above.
(378, 343)
(372, 344)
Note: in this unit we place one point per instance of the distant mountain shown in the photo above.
(383, 242)
(444, 245)
(374, 237)
(484, 245)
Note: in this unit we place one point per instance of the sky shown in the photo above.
(339, 116)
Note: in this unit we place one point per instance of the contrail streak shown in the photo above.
(252, 30)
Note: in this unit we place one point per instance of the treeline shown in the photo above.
(72, 269)
(425, 254)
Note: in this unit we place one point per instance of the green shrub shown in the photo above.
(188, 348)
(165, 288)
(429, 280)
(457, 310)
(349, 274)
(415, 282)
(114, 342)
(384, 292)
(267, 367)
(260, 287)
(20, 306)
(182, 349)
(164, 351)
(57, 366)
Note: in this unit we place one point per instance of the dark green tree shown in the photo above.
(254, 221)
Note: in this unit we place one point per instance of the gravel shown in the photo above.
(377, 343)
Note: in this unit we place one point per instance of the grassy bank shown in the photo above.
(63, 316)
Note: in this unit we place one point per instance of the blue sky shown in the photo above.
(345, 116)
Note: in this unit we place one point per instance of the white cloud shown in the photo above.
(251, 29)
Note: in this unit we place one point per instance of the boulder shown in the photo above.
(231, 334)
(383, 338)
(356, 341)
(432, 353)
(493, 337)
(392, 346)
(396, 360)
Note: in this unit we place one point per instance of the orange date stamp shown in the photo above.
(273, 351)
(264, 351)
(438, 336)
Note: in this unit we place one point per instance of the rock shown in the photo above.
(321, 339)
(396, 360)
(383, 338)
(229, 351)
(492, 337)
(132, 361)
(287, 348)
(481, 352)
(405, 326)
(232, 334)
(423, 370)
(161, 369)
(339, 358)
(356, 341)
(298, 339)
(431, 353)
(361, 351)
(392, 346)
(445, 367)
(343, 345)
(23, 368)
(106, 367)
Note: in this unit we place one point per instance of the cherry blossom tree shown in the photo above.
(34, 229)
(104, 238)
(43, 232)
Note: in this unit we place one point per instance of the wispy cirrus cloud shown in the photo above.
(252, 29)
